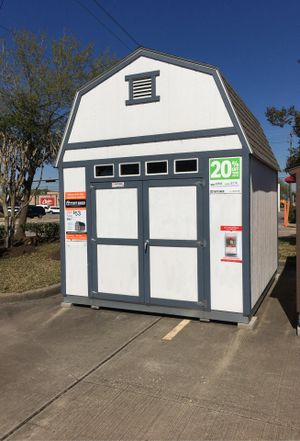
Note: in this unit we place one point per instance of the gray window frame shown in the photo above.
(141, 76)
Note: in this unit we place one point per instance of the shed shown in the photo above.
(170, 193)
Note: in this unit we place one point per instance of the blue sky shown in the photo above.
(255, 44)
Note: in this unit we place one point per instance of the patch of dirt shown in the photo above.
(55, 255)
(17, 251)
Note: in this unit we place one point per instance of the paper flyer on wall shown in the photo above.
(75, 216)
(225, 175)
(232, 240)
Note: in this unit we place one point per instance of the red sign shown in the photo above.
(47, 200)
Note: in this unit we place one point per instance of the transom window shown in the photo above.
(186, 165)
(104, 170)
(129, 169)
(157, 168)
(142, 88)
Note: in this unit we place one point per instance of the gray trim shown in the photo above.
(142, 75)
(230, 110)
(89, 173)
(204, 164)
(246, 240)
(160, 137)
(62, 233)
(234, 317)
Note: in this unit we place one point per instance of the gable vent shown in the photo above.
(142, 88)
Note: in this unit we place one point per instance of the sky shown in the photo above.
(254, 43)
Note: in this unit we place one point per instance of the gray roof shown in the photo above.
(254, 133)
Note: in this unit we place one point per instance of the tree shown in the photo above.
(13, 166)
(38, 80)
(287, 116)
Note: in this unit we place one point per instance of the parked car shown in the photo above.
(54, 210)
(35, 211)
(46, 207)
(16, 209)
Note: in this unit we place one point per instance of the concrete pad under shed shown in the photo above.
(210, 382)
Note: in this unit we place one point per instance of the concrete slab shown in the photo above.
(250, 325)
(212, 381)
(44, 349)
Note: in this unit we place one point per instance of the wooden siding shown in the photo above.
(263, 213)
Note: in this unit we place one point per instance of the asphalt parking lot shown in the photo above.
(79, 373)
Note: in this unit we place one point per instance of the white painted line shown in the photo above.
(176, 330)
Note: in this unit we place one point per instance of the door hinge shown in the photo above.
(202, 243)
(92, 187)
(93, 239)
(201, 182)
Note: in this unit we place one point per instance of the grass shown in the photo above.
(286, 247)
(35, 270)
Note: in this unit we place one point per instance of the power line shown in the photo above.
(117, 23)
(102, 24)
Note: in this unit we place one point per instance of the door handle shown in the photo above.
(146, 244)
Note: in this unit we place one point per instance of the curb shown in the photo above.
(38, 293)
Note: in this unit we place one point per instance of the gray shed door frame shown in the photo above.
(145, 243)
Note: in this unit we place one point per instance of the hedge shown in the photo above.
(45, 231)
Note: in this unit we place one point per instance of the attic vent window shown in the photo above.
(142, 88)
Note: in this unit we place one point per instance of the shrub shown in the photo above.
(45, 231)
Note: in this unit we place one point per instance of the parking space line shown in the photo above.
(176, 330)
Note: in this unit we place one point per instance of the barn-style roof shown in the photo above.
(252, 128)
(247, 126)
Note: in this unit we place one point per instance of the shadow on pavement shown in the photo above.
(285, 290)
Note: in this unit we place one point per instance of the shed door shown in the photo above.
(172, 246)
(117, 241)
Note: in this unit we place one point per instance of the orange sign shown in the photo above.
(76, 236)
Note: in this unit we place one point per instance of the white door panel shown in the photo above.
(173, 273)
(172, 213)
(117, 213)
(118, 269)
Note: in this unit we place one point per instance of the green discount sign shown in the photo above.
(225, 168)
(225, 175)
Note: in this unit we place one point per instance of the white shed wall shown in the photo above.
(76, 252)
(225, 277)
(155, 148)
(189, 100)
(263, 227)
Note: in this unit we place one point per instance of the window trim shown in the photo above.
(141, 76)
(128, 163)
(185, 172)
(106, 176)
(156, 174)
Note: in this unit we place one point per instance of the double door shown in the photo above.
(147, 242)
